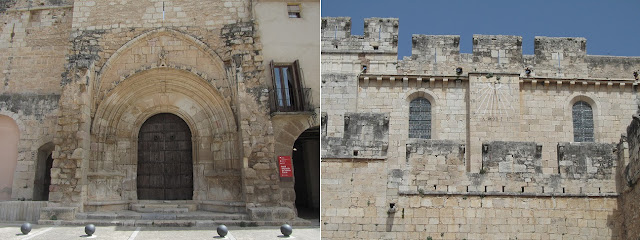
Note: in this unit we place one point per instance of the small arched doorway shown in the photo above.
(306, 168)
(165, 165)
(43, 173)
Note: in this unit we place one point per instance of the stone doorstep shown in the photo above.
(161, 210)
(131, 215)
(175, 223)
(223, 208)
(164, 207)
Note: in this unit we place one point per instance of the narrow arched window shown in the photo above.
(420, 118)
(582, 122)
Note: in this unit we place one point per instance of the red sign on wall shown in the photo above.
(285, 166)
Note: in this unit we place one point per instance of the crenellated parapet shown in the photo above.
(560, 57)
(380, 35)
(554, 57)
(499, 51)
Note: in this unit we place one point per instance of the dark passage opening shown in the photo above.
(43, 173)
(306, 166)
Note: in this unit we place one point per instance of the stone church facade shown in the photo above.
(106, 105)
(491, 144)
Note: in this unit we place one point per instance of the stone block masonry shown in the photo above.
(628, 178)
(80, 78)
(504, 158)
(365, 215)
(366, 136)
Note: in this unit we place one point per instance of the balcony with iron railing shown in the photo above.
(291, 102)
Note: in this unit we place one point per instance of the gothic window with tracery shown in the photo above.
(420, 118)
(582, 122)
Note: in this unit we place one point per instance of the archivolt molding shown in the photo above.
(163, 90)
(109, 76)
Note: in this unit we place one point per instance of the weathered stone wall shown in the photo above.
(365, 136)
(223, 99)
(546, 116)
(84, 75)
(553, 58)
(92, 14)
(34, 41)
(380, 35)
(628, 178)
(609, 66)
(338, 91)
(525, 109)
(393, 97)
(364, 212)
(376, 50)
(285, 40)
(435, 196)
(441, 51)
(507, 167)
(501, 161)
(36, 116)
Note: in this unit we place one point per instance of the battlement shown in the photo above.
(497, 49)
(562, 57)
(435, 48)
(575, 48)
(380, 35)
(336, 28)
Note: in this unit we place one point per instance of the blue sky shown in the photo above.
(610, 27)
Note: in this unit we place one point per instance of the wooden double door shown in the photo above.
(165, 166)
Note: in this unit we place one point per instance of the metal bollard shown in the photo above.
(25, 228)
(90, 229)
(222, 230)
(286, 230)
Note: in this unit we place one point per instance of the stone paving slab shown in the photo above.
(11, 231)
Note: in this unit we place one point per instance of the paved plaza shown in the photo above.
(49, 232)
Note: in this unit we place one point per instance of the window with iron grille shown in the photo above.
(294, 10)
(582, 122)
(288, 92)
(420, 118)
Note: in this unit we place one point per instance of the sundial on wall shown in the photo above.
(493, 99)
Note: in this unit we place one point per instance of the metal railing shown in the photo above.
(298, 101)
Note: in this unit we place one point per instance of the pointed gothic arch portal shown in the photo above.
(306, 166)
(165, 165)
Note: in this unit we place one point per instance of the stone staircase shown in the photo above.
(164, 207)
(167, 214)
